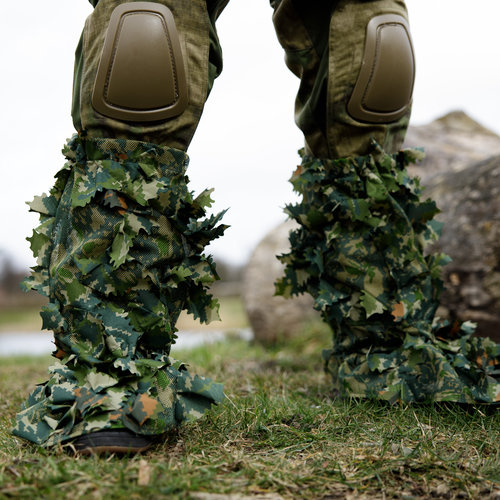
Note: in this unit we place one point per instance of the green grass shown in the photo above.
(280, 433)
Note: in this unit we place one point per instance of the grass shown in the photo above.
(280, 434)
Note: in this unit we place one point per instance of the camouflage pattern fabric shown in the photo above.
(203, 63)
(120, 255)
(324, 46)
(359, 252)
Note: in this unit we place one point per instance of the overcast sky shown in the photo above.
(246, 144)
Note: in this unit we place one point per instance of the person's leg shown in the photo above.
(120, 247)
(359, 250)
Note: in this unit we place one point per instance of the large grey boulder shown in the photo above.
(462, 173)
(470, 203)
(273, 317)
(452, 143)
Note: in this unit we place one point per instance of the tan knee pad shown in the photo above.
(384, 88)
(141, 75)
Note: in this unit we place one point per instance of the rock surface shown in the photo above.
(462, 173)
(273, 317)
(470, 205)
(452, 143)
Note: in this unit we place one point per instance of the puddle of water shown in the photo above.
(40, 343)
(26, 343)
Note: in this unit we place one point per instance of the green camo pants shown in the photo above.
(324, 44)
(120, 245)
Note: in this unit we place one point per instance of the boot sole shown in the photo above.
(111, 441)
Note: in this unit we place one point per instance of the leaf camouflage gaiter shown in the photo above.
(119, 254)
(359, 251)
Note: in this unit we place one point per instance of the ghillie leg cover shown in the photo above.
(359, 251)
(119, 254)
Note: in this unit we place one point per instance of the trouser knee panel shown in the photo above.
(356, 66)
(150, 108)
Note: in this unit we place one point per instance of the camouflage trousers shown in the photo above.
(121, 240)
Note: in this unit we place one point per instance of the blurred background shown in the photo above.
(246, 144)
